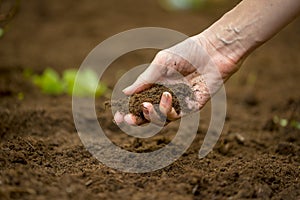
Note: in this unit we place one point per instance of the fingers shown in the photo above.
(168, 113)
(133, 120)
(151, 115)
(118, 118)
(165, 107)
(130, 119)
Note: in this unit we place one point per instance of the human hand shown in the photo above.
(195, 62)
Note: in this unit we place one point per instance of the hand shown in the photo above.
(200, 66)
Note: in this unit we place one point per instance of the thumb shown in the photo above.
(145, 80)
(138, 86)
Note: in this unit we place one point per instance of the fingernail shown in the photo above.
(118, 118)
(145, 110)
(126, 90)
(129, 120)
(166, 97)
(146, 105)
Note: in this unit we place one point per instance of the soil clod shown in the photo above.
(133, 104)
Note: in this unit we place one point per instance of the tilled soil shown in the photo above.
(42, 157)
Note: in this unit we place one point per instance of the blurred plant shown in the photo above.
(182, 4)
(285, 122)
(1, 32)
(175, 5)
(7, 16)
(51, 83)
(20, 96)
(87, 82)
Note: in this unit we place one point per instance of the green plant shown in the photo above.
(285, 122)
(49, 82)
(87, 83)
(82, 83)
(1, 32)
(295, 124)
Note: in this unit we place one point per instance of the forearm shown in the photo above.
(248, 25)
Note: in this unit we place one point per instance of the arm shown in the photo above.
(248, 25)
(226, 43)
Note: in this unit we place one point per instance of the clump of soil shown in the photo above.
(153, 95)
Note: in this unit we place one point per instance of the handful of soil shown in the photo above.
(153, 95)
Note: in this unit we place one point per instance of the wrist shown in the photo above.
(227, 55)
(234, 37)
(227, 42)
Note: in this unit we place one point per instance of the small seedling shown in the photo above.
(295, 124)
(87, 83)
(172, 5)
(1, 32)
(20, 96)
(284, 122)
(50, 82)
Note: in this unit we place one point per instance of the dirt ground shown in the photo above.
(42, 157)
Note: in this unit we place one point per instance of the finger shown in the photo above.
(152, 115)
(172, 116)
(140, 84)
(146, 110)
(133, 120)
(118, 118)
(165, 105)
(136, 87)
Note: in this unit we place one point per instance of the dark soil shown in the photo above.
(133, 104)
(42, 157)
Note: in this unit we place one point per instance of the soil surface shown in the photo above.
(41, 154)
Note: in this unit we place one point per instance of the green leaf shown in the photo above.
(69, 79)
(182, 4)
(1, 32)
(101, 89)
(295, 124)
(20, 96)
(86, 84)
(283, 122)
(276, 119)
(49, 82)
(27, 73)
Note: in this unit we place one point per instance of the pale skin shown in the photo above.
(226, 43)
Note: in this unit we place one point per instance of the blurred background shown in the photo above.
(60, 34)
